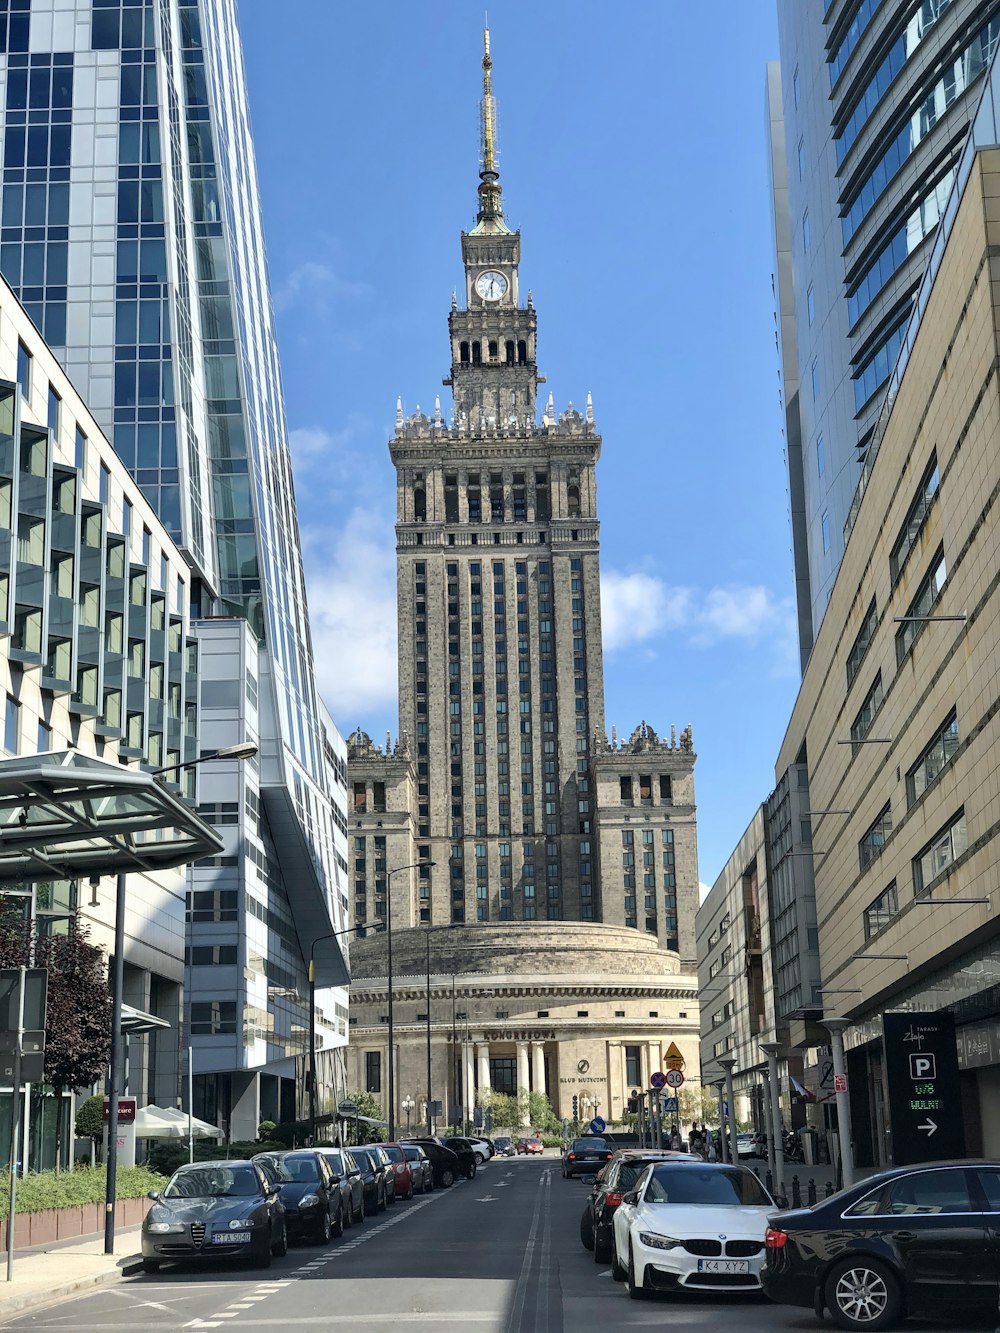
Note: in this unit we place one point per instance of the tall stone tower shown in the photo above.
(501, 689)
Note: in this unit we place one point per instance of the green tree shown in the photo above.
(90, 1120)
(696, 1102)
(504, 1109)
(541, 1115)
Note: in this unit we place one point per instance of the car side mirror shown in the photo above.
(631, 1197)
(334, 1178)
(153, 1194)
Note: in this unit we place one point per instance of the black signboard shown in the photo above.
(36, 982)
(925, 1104)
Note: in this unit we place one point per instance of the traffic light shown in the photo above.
(576, 1106)
(633, 1103)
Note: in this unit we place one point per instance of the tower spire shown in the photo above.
(490, 214)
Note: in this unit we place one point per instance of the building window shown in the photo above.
(23, 368)
(805, 231)
(920, 607)
(11, 724)
(870, 846)
(915, 519)
(814, 377)
(811, 303)
(633, 1066)
(940, 855)
(936, 757)
(820, 456)
(862, 642)
(213, 1018)
(862, 724)
(800, 154)
(373, 1071)
(796, 88)
(825, 526)
(879, 913)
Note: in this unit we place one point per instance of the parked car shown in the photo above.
(347, 1174)
(215, 1210)
(691, 1226)
(585, 1157)
(529, 1146)
(372, 1165)
(482, 1148)
(403, 1176)
(912, 1240)
(747, 1145)
(314, 1208)
(616, 1178)
(420, 1167)
(444, 1163)
(503, 1146)
(469, 1156)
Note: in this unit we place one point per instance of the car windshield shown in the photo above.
(335, 1162)
(394, 1154)
(588, 1145)
(363, 1160)
(304, 1169)
(502, 1142)
(690, 1185)
(212, 1182)
(412, 1154)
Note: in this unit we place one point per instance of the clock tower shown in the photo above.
(494, 375)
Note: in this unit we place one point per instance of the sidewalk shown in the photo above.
(49, 1273)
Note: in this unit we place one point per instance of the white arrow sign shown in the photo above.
(929, 1126)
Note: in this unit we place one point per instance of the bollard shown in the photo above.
(769, 1181)
(811, 1193)
(796, 1193)
(829, 1188)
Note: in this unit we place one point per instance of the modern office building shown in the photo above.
(131, 230)
(867, 116)
(97, 657)
(503, 801)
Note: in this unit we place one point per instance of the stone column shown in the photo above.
(523, 1079)
(538, 1066)
(468, 1081)
(483, 1056)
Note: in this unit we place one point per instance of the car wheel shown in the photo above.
(617, 1272)
(324, 1230)
(470, 1171)
(602, 1250)
(479, 1159)
(428, 1184)
(447, 1177)
(338, 1221)
(587, 1229)
(634, 1290)
(260, 1253)
(863, 1293)
(279, 1248)
(410, 1192)
(382, 1204)
(361, 1211)
(150, 1265)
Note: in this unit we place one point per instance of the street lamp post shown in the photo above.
(771, 1049)
(727, 1063)
(835, 1027)
(334, 934)
(720, 1092)
(408, 1104)
(244, 750)
(388, 948)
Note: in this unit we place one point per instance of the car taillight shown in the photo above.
(612, 1199)
(570, 1156)
(608, 1156)
(775, 1240)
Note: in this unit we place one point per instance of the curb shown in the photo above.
(13, 1305)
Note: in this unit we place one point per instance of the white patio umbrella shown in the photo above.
(201, 1129)
(165, 1122)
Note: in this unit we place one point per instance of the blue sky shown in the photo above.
(633, 159)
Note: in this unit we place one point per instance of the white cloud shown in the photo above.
(638, 608)
(318, 286)
(703, 891)
(351, 579)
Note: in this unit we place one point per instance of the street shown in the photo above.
(501, 1252)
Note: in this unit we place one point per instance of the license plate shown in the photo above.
(230, 1237)
(723, 1265)
(588, 1159)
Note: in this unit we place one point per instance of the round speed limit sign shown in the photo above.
(674, 1078)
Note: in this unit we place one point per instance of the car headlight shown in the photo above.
(654, 1242)
(161, 1228)
(240, 1224)
(309, 1201)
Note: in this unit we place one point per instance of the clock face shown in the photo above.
(491, 286)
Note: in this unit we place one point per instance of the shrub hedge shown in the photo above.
(51, 1189)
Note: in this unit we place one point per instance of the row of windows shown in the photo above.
(851, 38)
(931, 863)
(877, 369)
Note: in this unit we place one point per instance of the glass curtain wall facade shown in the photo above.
(868, 114)
(130, 228)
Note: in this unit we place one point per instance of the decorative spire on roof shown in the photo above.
(489, 219)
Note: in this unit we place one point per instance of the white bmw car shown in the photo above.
(695, 1226)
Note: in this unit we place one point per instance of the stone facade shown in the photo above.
(565, 1009)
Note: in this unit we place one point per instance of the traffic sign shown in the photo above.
(670, 1104)
(347, 1110)
(925, 1104)
(657, 1079)
(673, 1058)
(840, 1082)
(597, 1125)
(674, 1078)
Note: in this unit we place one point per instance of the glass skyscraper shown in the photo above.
(131, 231)
(867, 116)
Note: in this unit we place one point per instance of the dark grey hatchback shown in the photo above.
(913, 1240)
(214, 1210)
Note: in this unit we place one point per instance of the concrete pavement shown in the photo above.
(499, 1254)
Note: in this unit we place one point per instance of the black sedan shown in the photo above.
(914, 1240)
(462, 1148)
(613, 1180)
(314, 1209)
(347, 1174)
(444, 1163)
(373, 1162)
(214, 1210)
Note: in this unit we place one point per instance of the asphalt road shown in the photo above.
(499, 1254)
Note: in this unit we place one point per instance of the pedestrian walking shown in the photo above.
(675, 1139)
